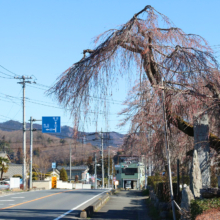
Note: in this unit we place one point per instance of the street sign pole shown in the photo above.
(70, 162)
(108, 167)
(54, 167)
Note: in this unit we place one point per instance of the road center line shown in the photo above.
(74, 208)
(31, 200)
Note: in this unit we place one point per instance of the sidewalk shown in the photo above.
(123, 205)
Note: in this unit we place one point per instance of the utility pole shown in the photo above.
(23, 82)
(70, 162)
(31, 151)
(95, 173)
(145, 171)
(168, 152)
(102, 163)
(112, 172)
(108, 167)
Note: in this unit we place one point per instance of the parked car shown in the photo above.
(128, 185)
(4, 185)
(7, 180)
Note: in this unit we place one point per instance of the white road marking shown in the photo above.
(74, 208)
(11, 194)
(7, 200)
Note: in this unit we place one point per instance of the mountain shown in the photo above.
(109, 139)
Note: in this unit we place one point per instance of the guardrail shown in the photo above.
(88, 212)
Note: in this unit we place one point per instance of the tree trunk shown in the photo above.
(2, 171)
(155, 78)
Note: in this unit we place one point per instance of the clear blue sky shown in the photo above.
(43, 38)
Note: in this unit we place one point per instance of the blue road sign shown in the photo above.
(54, 165)
(51, 124)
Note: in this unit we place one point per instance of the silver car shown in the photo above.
(4, 185)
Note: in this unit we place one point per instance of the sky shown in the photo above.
(42, 39)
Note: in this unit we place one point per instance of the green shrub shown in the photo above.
(17, 175)
(63, 175)
(146, 192)
(153, 212)
(198, 206)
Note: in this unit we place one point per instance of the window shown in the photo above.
(131, 171)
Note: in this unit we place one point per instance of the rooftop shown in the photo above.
(82, 167)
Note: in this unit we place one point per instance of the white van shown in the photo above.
(128, 185)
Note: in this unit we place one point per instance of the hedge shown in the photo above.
(198, 206)
(161, 187)
(17, 175)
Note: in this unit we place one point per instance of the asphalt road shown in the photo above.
(46, 204)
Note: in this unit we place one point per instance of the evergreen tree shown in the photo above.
(90, 165)
(36, 152)
(3, 165)
(19, 156)
(63, 175)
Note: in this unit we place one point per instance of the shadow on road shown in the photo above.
(124, 205)
(34, 214)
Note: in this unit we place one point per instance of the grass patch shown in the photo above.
(145, 192)
(153, 212)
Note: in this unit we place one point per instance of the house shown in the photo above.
(130, 173)
(53, 172)
(81, 171)
(13, 169)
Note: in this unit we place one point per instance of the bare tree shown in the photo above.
(152, 44)
(41, 165)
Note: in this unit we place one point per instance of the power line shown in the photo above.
(109, 100)
(52, 106)
(8, 70)
(13, 105)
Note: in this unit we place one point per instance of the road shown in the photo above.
(46, 204)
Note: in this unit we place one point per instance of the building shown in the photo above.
(13, 169)
(130, 173)
(81, 171)
(53, 172)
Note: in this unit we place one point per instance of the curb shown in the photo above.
(96, 205)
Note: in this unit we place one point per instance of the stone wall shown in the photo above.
(42, 184)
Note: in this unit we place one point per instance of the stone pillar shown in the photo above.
(201, 132)
(187, 196)
(195, 177)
